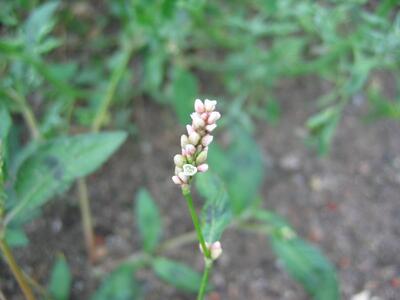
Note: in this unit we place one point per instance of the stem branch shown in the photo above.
(19, 276)
(87, 223)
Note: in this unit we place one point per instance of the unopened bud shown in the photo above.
(202, 168)
(206, 140)
(176, 180)
(179, 160)
(183, 177)
(189, 170)
(194, 138)
(184, 140)
(190, 149)
(198, 122)
(215, 249)
(198, 106)
(202, 157)
(214, 116)
(209, 105)
(189, 129)
(211, 127)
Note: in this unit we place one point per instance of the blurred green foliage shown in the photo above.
(74, 66)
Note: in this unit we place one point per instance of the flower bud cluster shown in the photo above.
(195, 143)
(214, 248)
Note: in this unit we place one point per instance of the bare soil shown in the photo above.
(346, 203)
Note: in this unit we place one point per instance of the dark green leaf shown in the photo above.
(119, 285)
(184, 91)
(216, 214)
(60, 280)
(241, 168)
(303, 261)
(57, 163)
(148, 219)
(177, 274)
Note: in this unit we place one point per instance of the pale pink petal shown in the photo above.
(202, 168)
(198, 106)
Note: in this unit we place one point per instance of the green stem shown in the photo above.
(204, 280)
(26, 112)
(188, 196)
(87, 223)
(15, 269)
(112, 86)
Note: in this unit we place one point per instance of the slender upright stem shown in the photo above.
(87, 223)
(19, 276)
(26, 112)
(188, 196)
(204, 280)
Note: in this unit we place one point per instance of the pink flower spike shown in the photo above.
(214, 116)
(189, 129)
(198, 106)
(211, 127)
(176, 180)
(202, 168)
(206, 140)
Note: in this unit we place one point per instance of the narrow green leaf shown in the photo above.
(216, 213)
(119, 285)
(184, 90)
(53, 166)
(177, 274)
(5, 123)
(240, 166)
(16, 237)
(60, 280)
(303, 261)
(148, 219)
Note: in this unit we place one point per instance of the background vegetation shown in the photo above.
(70, 69)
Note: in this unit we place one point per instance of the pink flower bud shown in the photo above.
(202, 168)
(189, 129)
(178, 170)
(214, 116)
(198, 106)
(194, 138)
(179, 160)
(216, 250)
(198, 122)
(183, 177)
(176, 180)
(202, 157)
(209, 105)
(206, 140)
(211, 127)
(190, 149)
(204, 116)
(184, 140)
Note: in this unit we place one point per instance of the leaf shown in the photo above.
(216, 213)
(322, 127)
(53, 166)
(184, 90)
(148, 220)
(40, 23)
(177, 274)
(303, 261)
(240, 166)
(60, 280)
(5, 123)
(16, 237)
(119, 285)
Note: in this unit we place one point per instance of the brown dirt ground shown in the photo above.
(347, 203)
